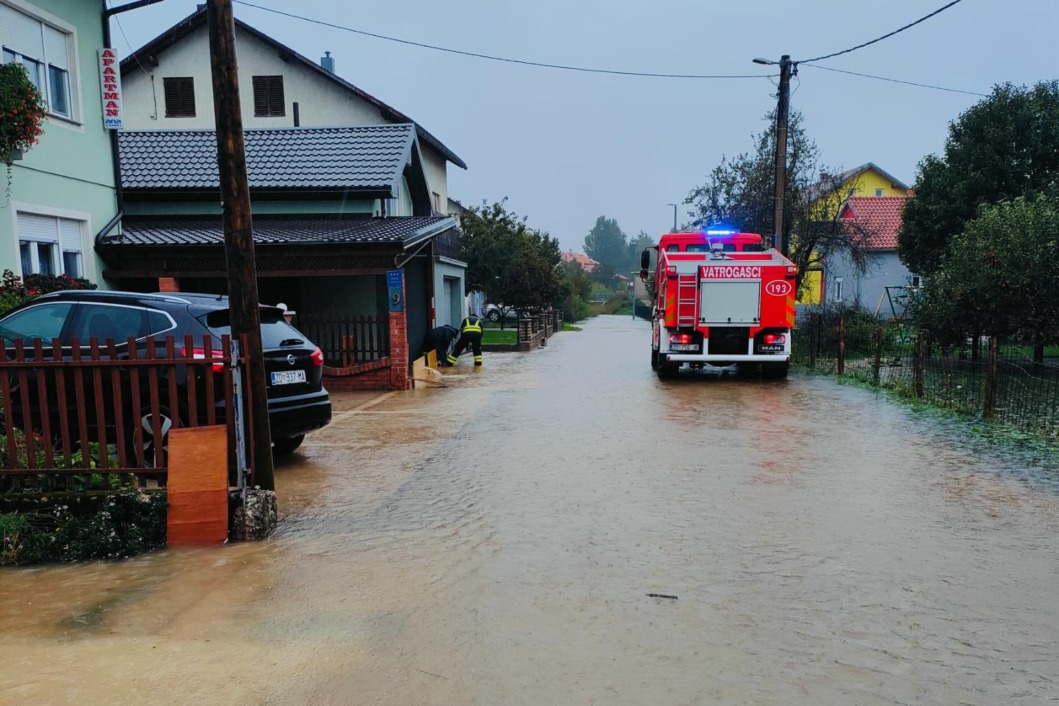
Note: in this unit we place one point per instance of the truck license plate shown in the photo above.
(683, 347)
(288, 377)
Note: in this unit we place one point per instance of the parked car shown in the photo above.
(494, 312)
(297, 400)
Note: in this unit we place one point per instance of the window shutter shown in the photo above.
(21, 33)
(55, 47)
(34, 227)
(69, 235)
(260, 95)
(275, 98)
(268, 96)
(179, 96)
(187, 97)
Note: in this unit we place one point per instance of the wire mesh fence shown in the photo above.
(988, 378)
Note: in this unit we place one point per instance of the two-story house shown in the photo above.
(344, 190)
(62, 189)
(866, 181)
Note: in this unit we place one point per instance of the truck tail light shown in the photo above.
(771, 339)
(680, 338)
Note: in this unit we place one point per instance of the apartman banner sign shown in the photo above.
(110, 80)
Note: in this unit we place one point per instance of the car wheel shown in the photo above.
(284, 447)
(493, 315)
(155, 446)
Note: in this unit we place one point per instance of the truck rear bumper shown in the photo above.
(717, 359)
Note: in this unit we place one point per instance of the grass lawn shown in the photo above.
(491, 336)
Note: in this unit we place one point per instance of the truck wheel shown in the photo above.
(775, 371)
(667, 370)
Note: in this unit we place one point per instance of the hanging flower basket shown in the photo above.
(21, 112)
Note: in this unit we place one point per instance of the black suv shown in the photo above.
(297, 400)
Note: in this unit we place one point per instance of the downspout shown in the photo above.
(119, 196)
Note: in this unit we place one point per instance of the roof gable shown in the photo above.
(851, 174)
(370, 158)
(197, 21)
(878, 216)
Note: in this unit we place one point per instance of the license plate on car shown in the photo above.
(683, 347)
(288, 377)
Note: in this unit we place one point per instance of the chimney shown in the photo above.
(327, 62)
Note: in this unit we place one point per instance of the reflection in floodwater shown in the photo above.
(518, 536)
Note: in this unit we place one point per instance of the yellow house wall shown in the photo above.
(863, 184)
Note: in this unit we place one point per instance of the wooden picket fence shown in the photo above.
(105, 408)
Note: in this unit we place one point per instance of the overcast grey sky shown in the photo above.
(567, 147)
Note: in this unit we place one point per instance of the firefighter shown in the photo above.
(470, 335)
(441, 340)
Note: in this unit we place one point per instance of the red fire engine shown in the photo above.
(721, 298)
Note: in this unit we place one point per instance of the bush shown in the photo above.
(575, 309)
(15, 292)
(112, 526)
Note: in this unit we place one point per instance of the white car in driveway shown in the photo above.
(494, 312)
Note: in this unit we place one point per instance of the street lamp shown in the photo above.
(674, 216)
(782, 110)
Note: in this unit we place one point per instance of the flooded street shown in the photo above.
(497, 541)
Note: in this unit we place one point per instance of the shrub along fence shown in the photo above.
(987, 378)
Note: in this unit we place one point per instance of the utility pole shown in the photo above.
(238, 230)
(782, 112)
(674, 216)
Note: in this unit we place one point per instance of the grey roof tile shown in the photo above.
(369, 157)
(301, 230)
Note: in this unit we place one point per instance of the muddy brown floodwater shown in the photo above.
(497, 541)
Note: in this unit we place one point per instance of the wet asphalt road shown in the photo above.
(497, 539)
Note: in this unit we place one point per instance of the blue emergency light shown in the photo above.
(720, 231)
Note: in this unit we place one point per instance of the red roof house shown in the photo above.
(587, 263)
(879, 218)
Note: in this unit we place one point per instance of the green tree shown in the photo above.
(999, 277)
(514, 265)
(575, 290)
(1003, 147)
(740, 193)
(608, 245)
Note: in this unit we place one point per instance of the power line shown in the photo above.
(896, 80)
(885, 36)
(490, 57)
(127, 43)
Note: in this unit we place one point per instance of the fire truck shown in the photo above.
(721, 298)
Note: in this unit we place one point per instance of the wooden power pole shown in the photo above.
(238, 229)
(782, 113)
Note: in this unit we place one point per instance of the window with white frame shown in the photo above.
(48, 245)
(46, 53)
